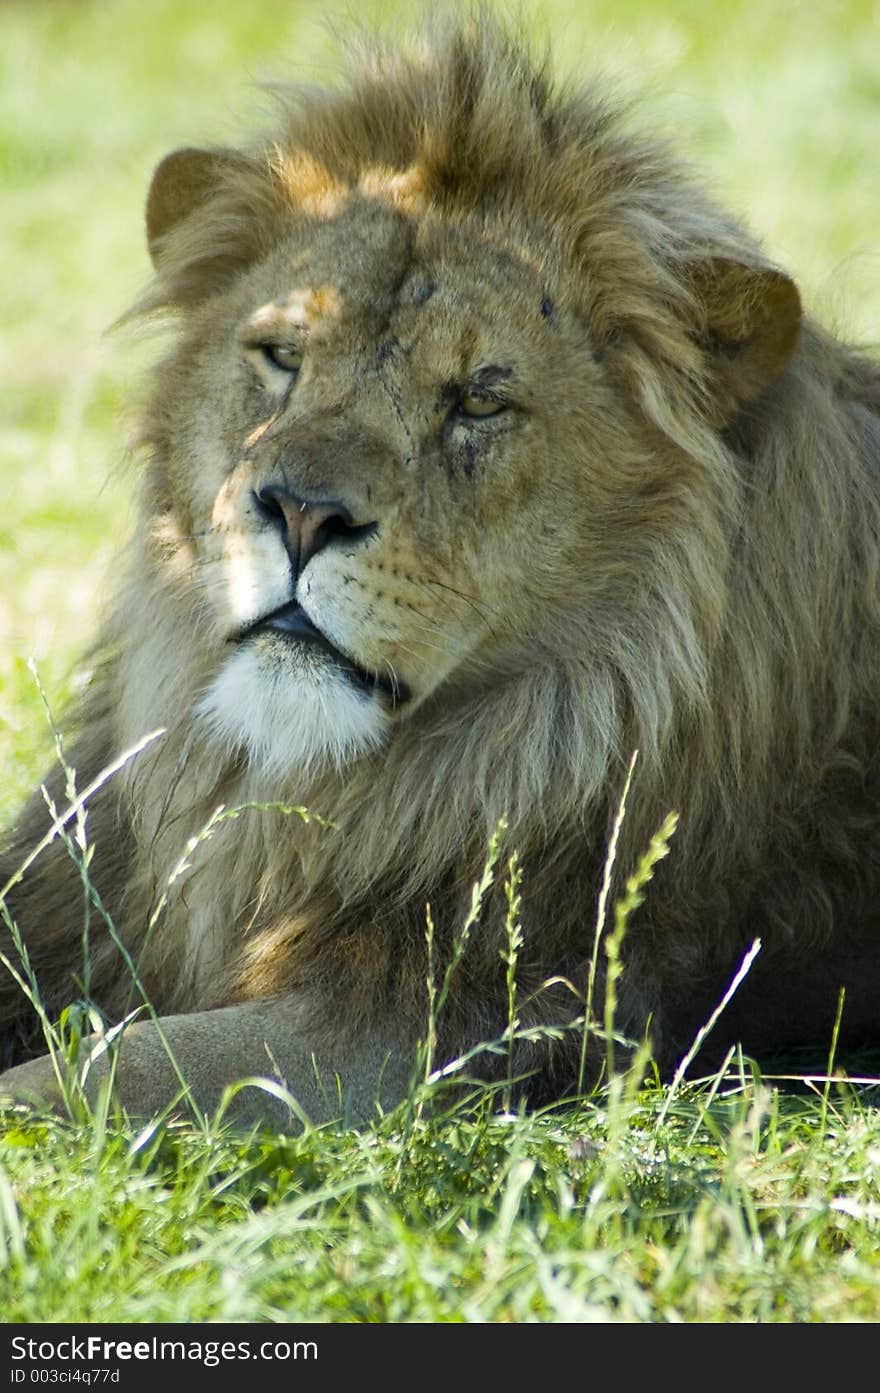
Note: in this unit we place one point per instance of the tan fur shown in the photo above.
(666, 539)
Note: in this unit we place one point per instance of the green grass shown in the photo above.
(718, 1201)
(751, 1207)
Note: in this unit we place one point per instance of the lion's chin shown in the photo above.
(291, 717)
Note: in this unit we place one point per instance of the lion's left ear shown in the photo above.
(180, 183)
(751, 318)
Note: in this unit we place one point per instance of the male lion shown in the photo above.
(488, 451)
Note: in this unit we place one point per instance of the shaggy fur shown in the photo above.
(665, 538)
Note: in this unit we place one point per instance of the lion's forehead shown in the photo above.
(371, 273)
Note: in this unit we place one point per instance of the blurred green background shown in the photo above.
(777, 101)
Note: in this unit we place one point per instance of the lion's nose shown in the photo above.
(308, 525)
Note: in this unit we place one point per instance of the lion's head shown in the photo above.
(433, 425)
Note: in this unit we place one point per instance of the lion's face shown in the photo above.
(377, 476)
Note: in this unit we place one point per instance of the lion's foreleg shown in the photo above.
(192, 1059)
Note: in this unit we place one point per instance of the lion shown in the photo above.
(487, 452)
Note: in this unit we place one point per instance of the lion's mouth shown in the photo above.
(292, 624)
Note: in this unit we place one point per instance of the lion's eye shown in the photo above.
(477, 404)
(281, 356)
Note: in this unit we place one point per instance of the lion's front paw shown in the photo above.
(35, 1083)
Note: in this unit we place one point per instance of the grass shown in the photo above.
(728, 1199)
(737, 1205)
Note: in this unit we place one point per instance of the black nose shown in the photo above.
(308, 525)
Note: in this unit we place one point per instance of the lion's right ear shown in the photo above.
(180, 183)
(751, 320)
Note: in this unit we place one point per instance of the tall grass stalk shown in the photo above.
(80, 837)
(622, 1087)
(423, 1075)
(510, 957)
(633, 897)
(599, 929)
(701, 1035)
(832, 1054)
(78, 803)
